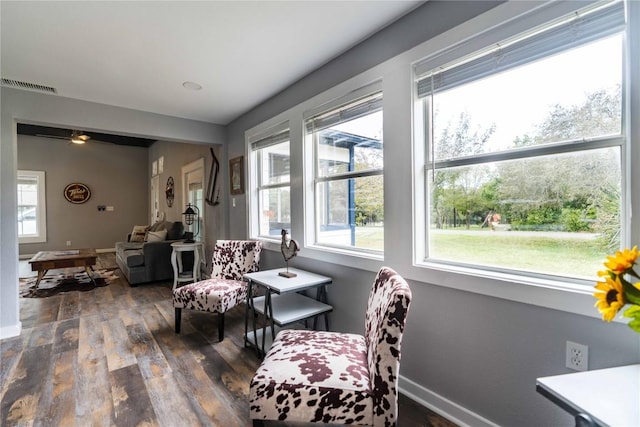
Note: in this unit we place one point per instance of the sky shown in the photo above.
(517, 100)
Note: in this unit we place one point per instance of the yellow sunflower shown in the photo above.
(610, 298)
(621, 261)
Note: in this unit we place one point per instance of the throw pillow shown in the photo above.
(138, 233)
(176, 231)
(160, 225)
(156, 236)
(155, 226)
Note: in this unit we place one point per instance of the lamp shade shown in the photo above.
(191, 218)
(189, 215)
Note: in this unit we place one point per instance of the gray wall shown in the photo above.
(116, 176)
(472, 356)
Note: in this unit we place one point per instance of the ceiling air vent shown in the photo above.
(28, 86)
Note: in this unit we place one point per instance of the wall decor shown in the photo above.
(213, 180)
(77, 193)
(169, 191)
(236, 175)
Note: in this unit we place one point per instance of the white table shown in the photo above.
(606, 397)
(281, 303)
(179, 275)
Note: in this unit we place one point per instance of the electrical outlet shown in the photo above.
(577, 357)
(68, 242)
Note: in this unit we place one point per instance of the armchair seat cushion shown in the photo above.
(336, 378)
(212, 295)
(315, 376)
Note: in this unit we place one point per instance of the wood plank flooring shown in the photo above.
(110, 357)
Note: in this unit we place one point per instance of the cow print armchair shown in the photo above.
(337, 378)
(226, 288)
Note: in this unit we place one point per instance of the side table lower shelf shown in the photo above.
(286, 309)
(292, 307)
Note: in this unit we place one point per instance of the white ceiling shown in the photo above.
(137, 54)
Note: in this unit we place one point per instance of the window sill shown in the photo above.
(360, 260)
(569, 297)
(36, 239)
(553, 294)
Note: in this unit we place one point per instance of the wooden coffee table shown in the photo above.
(44, 261)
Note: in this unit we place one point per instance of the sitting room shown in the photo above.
(231, 213)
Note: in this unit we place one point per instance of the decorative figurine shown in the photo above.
(289, 249)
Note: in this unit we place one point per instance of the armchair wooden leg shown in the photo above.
(178, 316)
(220, 326)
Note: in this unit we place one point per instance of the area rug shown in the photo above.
(66, 281)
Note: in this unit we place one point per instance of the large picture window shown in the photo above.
(524, 144)
(346, 142)
(32, 220)
(270, 160)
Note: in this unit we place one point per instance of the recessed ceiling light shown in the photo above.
(191, 85)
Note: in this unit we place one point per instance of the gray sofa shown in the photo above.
(142, 262)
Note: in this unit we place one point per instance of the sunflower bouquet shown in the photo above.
(617, 291)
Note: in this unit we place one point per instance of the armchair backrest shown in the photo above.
(234, 258)
(385, 319)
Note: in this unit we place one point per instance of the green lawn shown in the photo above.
(555, 253)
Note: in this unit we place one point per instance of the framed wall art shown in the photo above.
(77, 193)
(236, 175)
(170, 191)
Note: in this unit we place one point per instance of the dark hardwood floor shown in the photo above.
(110, 357)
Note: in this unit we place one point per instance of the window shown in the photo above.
(524, 145)
(271, 171)
(346, 142)
(32, 220)
(193, 180)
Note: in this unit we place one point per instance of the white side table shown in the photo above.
(179, 275)
(282, 304)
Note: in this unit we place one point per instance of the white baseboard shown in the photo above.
(10, 331)
(105, 250)
(441, 405)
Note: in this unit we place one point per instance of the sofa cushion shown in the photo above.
(156, 236)
(138, 233)
(134, 257)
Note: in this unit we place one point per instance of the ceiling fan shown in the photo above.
(76, 137)
(68, 134)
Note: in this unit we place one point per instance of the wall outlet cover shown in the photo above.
(577, 356)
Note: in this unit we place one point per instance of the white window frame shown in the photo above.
(194, 173)
(257, 139)
(463, 70)
(312, 179)
(41, 213)
(568, 295)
